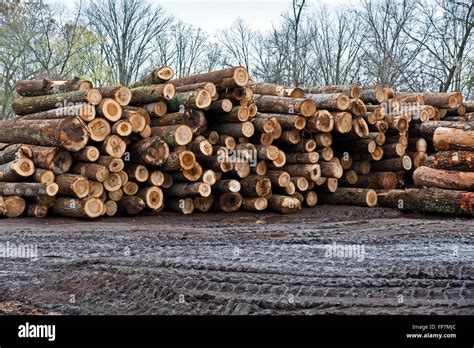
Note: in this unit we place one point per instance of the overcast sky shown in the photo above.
(212, 15)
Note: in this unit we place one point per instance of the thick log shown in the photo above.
(99, 129)
(226, 186)
(111, 208)
(287, 122)
(284, 105)
(96, 189)
(199, 99)
(11, 152)
(330, 169)
(284, 204)
(309, 171)
(17, 170)
(195, 119)
(85, 112)
(256, 185)
(12, 206)
(137, 117)
(254, 204)
(29, 88)
(120, 94)
(131, 205)
(306, 145)
(245, 129)
(208, 86)
(350, 196)
(377, 180)
(228, 202)
(113, 164)
(109, 109)
(73, 185)
(179, 160)
(417, 158)
(279, 178)
(203, 204)
(87, 154)
(428, 128)
(198, 189)
(430, 200)
(130, 188)
(219, 106)
(392, 164)
(323, 121)
(152, 93)
(30, 105)
(27, 189)
(53, 158)
(69, 133)
(80, 208)
(325, 153)
(157, 109)
(446, 179)
(363, 146)
(36, 211)
(372, 95)
(451, 160)
(439, 100)
(75, 84)
(358, 108)
(156, 76)
(393, 150)
(302, 158)
(193, 174)
(91, 171)
(223, 79)
(332, 101)
(352, 91)
(152, 196)
(113, 146)
(277, 90)
(174, 135)
(453, 139)
(152, 151)
(137, 172)
(378, 137)
(43, 176)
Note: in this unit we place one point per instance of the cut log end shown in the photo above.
(371, 198)
(248, 129)
(169, 91)
(153, 197)
(93, 207)
(241, 76)
(123, 95)
(111, 208)
(93, 96)
(203, 99)
(308, 108)
(209, 177)
(343, 102)
(110, 109)
(14, 206)
(52, 189)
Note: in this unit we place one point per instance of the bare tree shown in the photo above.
(335, 48)
(129, 27)
(295, 23)
(445, 34)
(237, 42)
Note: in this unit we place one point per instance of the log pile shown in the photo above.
(221, 141)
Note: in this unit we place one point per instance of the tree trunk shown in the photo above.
(174, 135)
(254, 204)
(152, 196)
(226, 186)
(392, 164)
(428, 128)
(451, 160)
(223, 79)
(53, 158)
(453, 139)
(179, 160)
(228, 202)
(430, 200)
(87, 154)
(91, 171)
(29, 105)
(120, 94)
(152, 151)
(284, 105)
(279, 91)
(17, 170)
(333, 102)
(109, 109)
(446, 179)
(85, 112)
(73, 185)
(69, 133)
(284, 204)
(12, 152)
(352, 91)
(255, 185)
(27, 189)
(350, 196)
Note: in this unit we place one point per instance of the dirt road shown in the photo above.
(337, 259)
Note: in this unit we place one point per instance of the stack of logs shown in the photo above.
(216, 140)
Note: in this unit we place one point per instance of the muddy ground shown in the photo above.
(384, 262)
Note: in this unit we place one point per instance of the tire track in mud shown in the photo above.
(245, 264)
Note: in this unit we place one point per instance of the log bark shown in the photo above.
(284, 204)
(333, 102)
(27, 189)
(428, 128)
(352, 91)
(377, 180)
(36, 211)
(392, 164)
(223, 79)
(131, 205)
(430, 200)
(72, 185)
(350, 196)
(453, 139)
(237, 130)
(445, 179)
(91, 171)
(451, 160)
(277, 90)
(174, 135)
(156, 76)
(69, 133)
(53, 158)
(256, 185)
(179, 160)
(284, 105)
(199, 99)
(85, 112)
(30, 105)
(151, 151)
(228, 202)
(120, 94)
(17, 170)
(226, 186)
(152, 93)
(203, 204)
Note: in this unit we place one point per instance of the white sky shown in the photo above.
(213, 15)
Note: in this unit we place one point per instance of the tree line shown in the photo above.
(412, 45)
